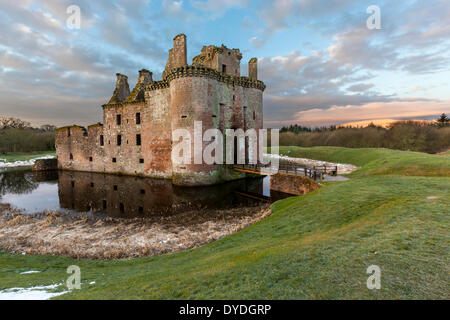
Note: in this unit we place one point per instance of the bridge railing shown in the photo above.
(314, 173)
(331, 170)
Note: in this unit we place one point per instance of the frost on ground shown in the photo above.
(87, 236)
(30, 272)
(342, 168)
(5, 164)
(33, 293)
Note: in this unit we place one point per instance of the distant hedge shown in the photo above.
(402, 135)
(26, 140)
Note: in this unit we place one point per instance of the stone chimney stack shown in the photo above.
(145, 77)
(253, 69)
(179, 53)
(122, 90)
(138, 93)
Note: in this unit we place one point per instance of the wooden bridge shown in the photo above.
(292, 168)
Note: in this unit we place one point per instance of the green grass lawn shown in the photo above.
(14, 156)
(316, 246)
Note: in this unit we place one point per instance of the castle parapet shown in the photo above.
(201, 71)
(156, 85)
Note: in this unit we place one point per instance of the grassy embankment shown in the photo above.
(393, 213)
(15, 156)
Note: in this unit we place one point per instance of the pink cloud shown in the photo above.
(371, 111)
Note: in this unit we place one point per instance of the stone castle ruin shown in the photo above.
(136, 135)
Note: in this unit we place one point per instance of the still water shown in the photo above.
(123, 196)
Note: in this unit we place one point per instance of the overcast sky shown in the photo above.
(320, 62)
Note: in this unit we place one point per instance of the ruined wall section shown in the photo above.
(253, 69)
(157, 136)
(95, 152)
(63, 145)
(221, 59)
(177, 55)
(138, 93)
(122, 90)
(121, 127)
(73, 149)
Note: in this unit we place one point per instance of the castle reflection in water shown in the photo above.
(124, 196)
(134, 196)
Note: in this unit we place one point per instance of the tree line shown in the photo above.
(19, 136)
(423, 136)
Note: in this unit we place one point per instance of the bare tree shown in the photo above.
(13, 123)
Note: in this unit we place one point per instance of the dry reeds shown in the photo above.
(86, 236)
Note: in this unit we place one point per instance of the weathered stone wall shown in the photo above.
(122, 90)
(157, 136)
(219, 57)
(45, 165)
(72, 148)
(179, 51)
(190, 102)
(177, 55)
(253, 69)
(128, 154)
(292, 184)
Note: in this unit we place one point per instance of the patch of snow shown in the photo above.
(4, 164)
(33, 293)
(29, 272)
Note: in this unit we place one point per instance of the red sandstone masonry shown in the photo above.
(201, 92)
(292, 184)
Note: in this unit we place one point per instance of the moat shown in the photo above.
(123, 196)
